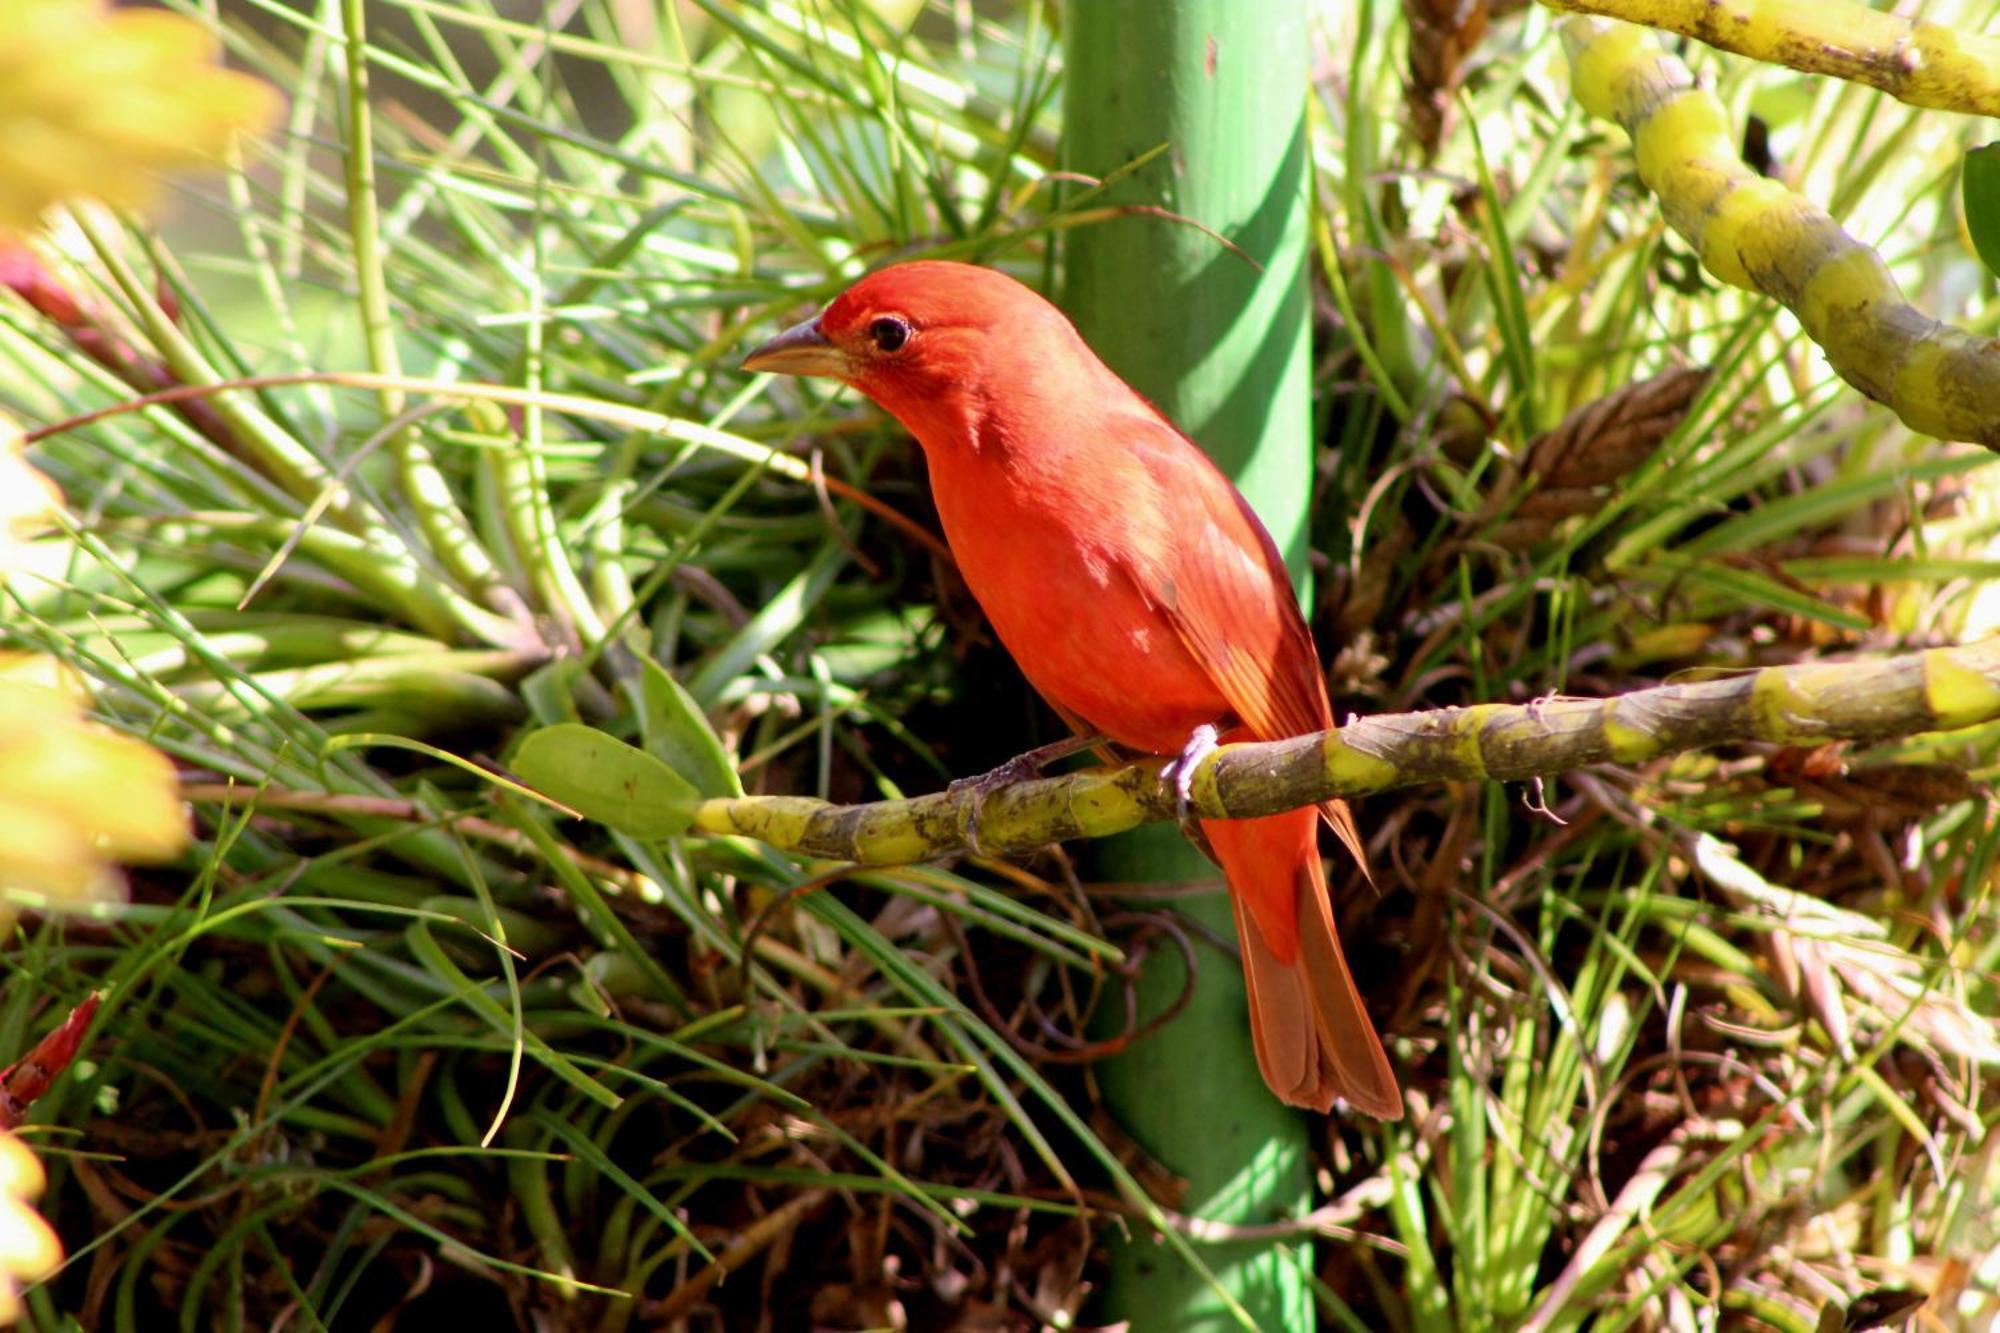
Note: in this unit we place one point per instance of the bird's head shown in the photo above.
(924, 339)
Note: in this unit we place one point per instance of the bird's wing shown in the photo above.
(1220, 582)
(1218, 578)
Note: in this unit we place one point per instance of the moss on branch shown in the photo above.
(1941, 689)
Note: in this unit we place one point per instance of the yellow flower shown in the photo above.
(74, 797)
(94, 100)
(28, 500)
(29, 1251)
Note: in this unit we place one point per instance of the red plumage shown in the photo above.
(1137, 591)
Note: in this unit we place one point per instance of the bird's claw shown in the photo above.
(1200, 745)
(1018, 769)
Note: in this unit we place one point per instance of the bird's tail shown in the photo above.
(1313, 1035)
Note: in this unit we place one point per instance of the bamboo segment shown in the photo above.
(1942, 689)
(1759, 235)
(1918, 63)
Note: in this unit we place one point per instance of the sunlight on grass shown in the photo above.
(1712, 1033)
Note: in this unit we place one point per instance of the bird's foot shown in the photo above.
(1018, 769)
(1200, 745)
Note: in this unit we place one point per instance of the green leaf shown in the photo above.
(1762, 590)
(675, 730)
(607, 780)
(775, 621)
(1981, 187)
(550, 691)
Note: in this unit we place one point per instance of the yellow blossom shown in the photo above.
(94, 100)
(28, 500)
(29, 1251)
(74, 797)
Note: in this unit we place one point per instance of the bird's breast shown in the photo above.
(1056, 557)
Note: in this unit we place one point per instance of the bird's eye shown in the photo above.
(889, 333)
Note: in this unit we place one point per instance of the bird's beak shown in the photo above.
(800, 350)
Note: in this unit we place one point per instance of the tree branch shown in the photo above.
(1942, 689)
(1755, 233)
(1916, 62)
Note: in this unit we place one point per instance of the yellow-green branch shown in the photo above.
(1942, 689)
(1756, 234)
(1922, 64)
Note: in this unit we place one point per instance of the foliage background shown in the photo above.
(1715, 1034)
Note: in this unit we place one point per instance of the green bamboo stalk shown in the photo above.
(1939, 690)
(1222, 348)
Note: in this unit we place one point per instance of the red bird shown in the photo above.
(1136, 589)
